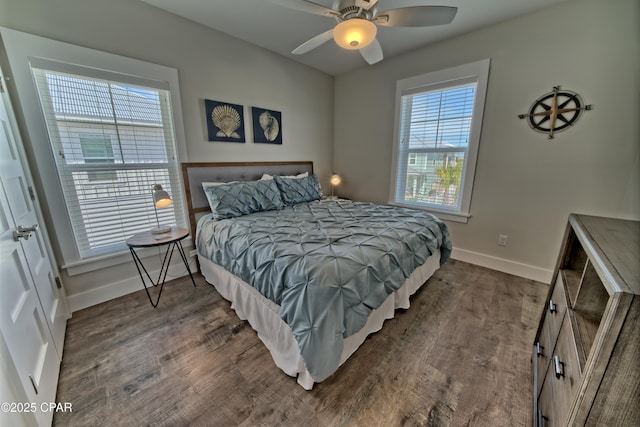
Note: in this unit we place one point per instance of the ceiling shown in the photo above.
(281, 29)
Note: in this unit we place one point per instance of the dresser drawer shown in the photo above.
(547, 412)
(543, 352)
(562, 379)
(553, 316)
(565, 362)
(556, 309)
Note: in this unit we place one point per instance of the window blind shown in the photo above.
(435, 127)
(112, 140)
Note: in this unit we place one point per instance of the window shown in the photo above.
(98, 149)
(112, 139)
(438, 119)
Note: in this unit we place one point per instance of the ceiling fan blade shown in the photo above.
(313, 43)
(372, 53)
(416, 16)
(306, 6)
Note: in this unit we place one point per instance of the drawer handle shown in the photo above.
(559, 366)
(541, 418)
(539, 349)
(553, 307)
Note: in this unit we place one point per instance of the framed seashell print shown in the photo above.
(225, 122)
(267, 126)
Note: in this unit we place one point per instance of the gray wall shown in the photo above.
(525, 185)
(210, 65)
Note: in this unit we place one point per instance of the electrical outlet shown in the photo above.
(502, 239)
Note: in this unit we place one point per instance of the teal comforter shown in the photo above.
(327, 264)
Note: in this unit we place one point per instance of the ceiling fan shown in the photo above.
(357, 20)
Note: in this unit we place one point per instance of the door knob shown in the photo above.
(24, 232)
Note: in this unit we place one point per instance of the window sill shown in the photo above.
(116, 258)
(442, 214)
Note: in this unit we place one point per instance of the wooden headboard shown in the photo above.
(194, 174)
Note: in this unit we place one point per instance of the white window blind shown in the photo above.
(112, 139)
(438, 126)
(434, 140)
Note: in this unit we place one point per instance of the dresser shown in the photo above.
(586, 354)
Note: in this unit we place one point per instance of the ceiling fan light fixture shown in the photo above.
(354, 33)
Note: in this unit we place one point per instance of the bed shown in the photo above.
(313, 276)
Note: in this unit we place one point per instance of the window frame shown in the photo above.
(477, 72)
(74, 98)
(22, 49)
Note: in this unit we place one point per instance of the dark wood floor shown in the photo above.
(459, 357)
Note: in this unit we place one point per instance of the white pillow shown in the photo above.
(302, 175)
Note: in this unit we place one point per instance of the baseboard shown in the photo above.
(114, 290)
(504, 265)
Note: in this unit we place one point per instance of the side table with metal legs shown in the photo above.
(173, 240)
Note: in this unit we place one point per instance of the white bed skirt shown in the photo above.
(264, 315)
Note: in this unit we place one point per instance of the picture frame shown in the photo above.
(225, 121)
(267, 126)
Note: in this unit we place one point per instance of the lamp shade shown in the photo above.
(160, 197)
(335, 179)
(354, 33)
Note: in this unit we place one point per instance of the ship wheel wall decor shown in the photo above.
(555, 111)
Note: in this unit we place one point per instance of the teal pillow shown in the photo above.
(243, 198)
(299, 190)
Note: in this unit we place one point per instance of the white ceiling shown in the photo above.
(281, 30)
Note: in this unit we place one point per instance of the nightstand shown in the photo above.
(172, 240)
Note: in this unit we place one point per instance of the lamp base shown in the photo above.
(161, 229)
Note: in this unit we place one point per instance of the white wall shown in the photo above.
(525, 185)
(210, 65)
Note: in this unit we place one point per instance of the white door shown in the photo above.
(32, 316)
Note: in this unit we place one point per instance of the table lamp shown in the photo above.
(335, 181)
(161, 199)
